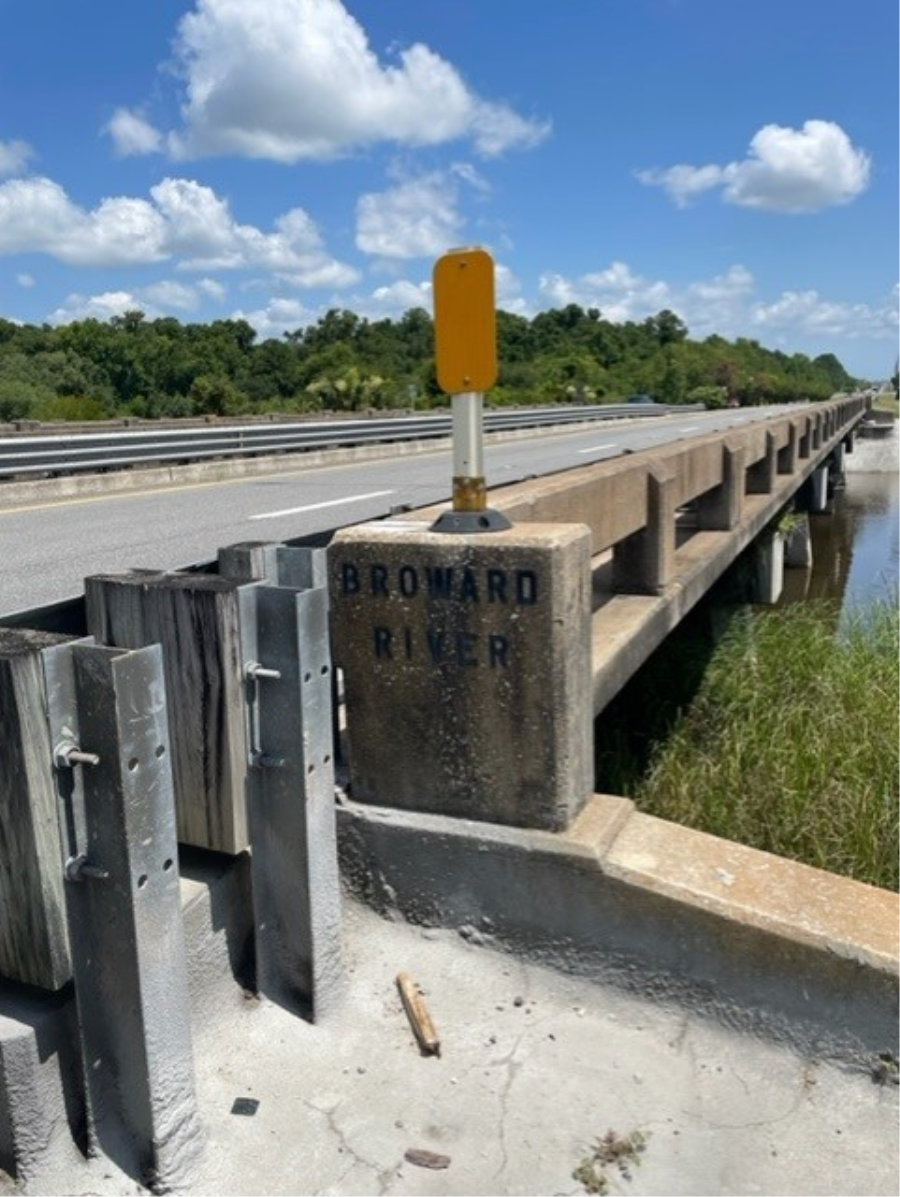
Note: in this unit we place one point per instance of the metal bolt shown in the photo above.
(265, 760)
(67, 753)
(255, 670)
(79, 868)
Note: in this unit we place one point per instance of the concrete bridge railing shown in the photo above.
(496, 650)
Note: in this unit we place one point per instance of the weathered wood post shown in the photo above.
(33, 940)
(195, 619)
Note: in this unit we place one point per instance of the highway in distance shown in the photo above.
(48, 547)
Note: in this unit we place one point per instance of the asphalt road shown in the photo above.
(48, 548)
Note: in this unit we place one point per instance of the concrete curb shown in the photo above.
(787, 951)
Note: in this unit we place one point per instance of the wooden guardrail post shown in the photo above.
(33, 939)
(195, 619)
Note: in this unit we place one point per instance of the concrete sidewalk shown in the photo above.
(535, 1067)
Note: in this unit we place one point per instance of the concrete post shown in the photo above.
(787, 456)
(798, 543)
(762, 474)
(644, 562)
(813, 494)
(768, 568)
(466, 664)
(719, 510)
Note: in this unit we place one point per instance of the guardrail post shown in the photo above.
(195, 619)
(250, 561)
(762, 474)
(644, 562)
(290, 796)
(125, 926)
(719, 510)
(33, 940)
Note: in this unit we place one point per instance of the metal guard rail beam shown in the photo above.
(69, 453)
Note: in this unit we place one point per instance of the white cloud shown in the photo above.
(809, 313)
(25, 280)
(277, 317)
(786, 170)
(415, 219)
(167, 295)
(727, 305)
(156, 299)
(619, 293)
(211, 289)
(297, 79)
(14, 156)
(98, 307)
(185, 220)
(132, 134)
(392, 301)
(36, 215)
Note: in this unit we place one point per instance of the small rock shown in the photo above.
(518, 1001)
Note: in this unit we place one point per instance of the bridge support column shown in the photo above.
(768, 569)
(467, 669)
(813, 494)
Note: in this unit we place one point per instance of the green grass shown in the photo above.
(887, 401)
(790, 744)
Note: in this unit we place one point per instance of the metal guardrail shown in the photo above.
(61, 453)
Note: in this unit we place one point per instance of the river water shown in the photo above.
(856, 548)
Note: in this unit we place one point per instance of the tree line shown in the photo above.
(152, 368)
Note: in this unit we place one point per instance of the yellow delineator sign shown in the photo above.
(465, 321)
(465, 333)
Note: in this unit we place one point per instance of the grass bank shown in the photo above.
(790, 743)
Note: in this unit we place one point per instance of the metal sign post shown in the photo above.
(466, 357)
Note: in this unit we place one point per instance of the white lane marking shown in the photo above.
(595, 449)
(271, 515)
(691, 428)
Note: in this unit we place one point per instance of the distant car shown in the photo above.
(640, 399)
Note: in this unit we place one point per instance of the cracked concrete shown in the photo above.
(535, 1066)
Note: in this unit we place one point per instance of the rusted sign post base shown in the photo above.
(466, 666)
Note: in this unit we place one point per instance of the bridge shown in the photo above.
(172, 833)
(645, 538)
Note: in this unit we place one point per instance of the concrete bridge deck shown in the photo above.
(748, 1054)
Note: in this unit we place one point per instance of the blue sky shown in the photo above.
(735, 162)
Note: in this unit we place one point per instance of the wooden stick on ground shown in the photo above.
(419, 1018)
